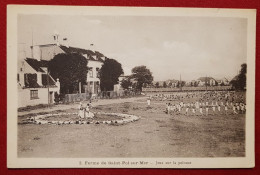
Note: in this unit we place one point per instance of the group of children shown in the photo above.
(84, 111)
(203, 103)
(205, 108)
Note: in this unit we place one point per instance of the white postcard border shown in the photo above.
(14, 162)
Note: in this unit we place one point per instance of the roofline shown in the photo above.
(44, 45)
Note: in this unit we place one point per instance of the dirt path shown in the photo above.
(75, 105)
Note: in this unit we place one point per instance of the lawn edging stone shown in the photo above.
(124, 118)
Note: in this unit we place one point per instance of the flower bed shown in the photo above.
(72, 118)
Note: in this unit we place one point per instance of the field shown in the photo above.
(155, 134)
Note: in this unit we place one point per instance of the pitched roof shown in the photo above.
(225, 79)
(31, 79)
(45, 80)
(90, 53)
(171, 81)
(44, 45)
(35, 64)
(203, 79)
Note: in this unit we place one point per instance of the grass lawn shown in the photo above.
(156, 134)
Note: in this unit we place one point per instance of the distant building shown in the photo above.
(171, 83)
(33, 82)
(95, 60)
(224, 81)
(203, 81)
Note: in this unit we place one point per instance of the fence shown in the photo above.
(76, 97)
(201, 88)
(102, 95)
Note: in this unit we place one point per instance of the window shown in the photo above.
(18, 78)
(90, 72)
(30, 80)
(97, 70)
(34, 94)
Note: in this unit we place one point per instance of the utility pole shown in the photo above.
(32, 44)
(79, 87)
(48, 87)
(206, 83)
(180, 83)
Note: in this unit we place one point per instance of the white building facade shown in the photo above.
(95, 62)
(32, 89)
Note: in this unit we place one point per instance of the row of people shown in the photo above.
(205, 95)
(204, 110)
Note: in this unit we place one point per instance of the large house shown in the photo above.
(172, 83)
(35, 85)
(95, 60)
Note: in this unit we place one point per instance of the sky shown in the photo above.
(169, 46)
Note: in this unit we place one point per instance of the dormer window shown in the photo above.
(90, 72)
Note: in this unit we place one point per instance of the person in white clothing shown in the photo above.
(219, 108)
(167, 108)
(242, 109)
(81, 112)
(234, 109)
(226, 109)
(88, 114)
(214, 109)
(201, 112)
(187, 110)
(207, 110)
(149, 102)
(193, 111)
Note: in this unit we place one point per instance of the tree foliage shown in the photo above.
(164, 84)
(239, 81)
(142, 75)
(109, 74)
(157, 85)
(126, 83)
(180, 83)
(70, 69)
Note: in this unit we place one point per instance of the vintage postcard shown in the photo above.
(130, 87)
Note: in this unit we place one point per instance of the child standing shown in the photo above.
(201, 112)
(187, 110)
(234, 109)
(214, 109)
(226, 109)
(149, 101)
(207, 110)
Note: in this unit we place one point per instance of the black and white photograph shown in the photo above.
(126, 87)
